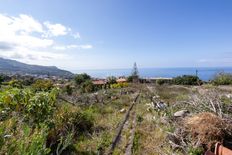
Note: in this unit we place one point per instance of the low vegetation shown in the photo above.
(187, 80)
(78, 117)
(222, 79)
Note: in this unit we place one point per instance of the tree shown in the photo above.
(135, 73)
(81, 78)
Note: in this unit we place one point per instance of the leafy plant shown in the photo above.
(87, 87)
(26, 141)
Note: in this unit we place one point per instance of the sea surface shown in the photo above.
(205, 73)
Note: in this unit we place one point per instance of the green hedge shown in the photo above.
(187, 80)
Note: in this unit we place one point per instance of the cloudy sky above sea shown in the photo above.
(106, 34)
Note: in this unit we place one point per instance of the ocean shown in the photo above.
(205, 73)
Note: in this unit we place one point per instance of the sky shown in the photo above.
(110, 34)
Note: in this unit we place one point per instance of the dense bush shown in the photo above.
(81, 78)
(34, 107)
(187, 80)
(42, 85)
(222, 79)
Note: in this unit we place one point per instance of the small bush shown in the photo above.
(15, 83)
(222, 79)
(163, 81)
(42, 85)
(187, 80)
(87, 87)
(68, 89)
(111, 80)
(69, 121)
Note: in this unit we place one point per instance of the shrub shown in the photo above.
(119, 85)
(15, 83)
(163, 81)
(40, 106)
(25, 141)
(34, 107)
(42, 85)
(129, 79)
(111, 80)
(87, 87)
(68, 89)
(81, 78)
(222, 79)
(187, 80)
(69, 124)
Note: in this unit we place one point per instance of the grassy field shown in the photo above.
(105, 122)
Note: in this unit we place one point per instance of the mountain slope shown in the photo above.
(12, 66)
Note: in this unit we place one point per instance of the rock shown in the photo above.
(181, 113)
(122, 110)
(161, 105)
(229, 96)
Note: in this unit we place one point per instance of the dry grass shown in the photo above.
(206, 128)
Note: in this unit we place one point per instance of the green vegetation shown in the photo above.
(42, 85)
(40, 118)
(1, 79)
(187, 80)
(111, 80)
(222, 79)
(163, 81)
(81, 78)
(119, 85)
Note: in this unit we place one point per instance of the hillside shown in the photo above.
(12, 66)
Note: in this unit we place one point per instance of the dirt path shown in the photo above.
(122, 126)
(132, 135)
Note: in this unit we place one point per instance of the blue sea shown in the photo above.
(205, 73)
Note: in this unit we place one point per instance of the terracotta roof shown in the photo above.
(121, 80)
(99, 82)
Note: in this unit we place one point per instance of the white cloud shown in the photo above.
(77, 35)
(55, 30)
(87, 46)
(18, 31)
(28, 40)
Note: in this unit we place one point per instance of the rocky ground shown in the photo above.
(164, 120)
